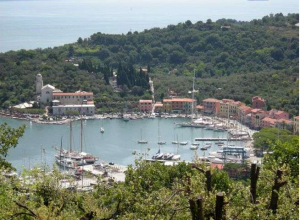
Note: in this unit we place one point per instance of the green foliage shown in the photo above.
(268, 136)
(8, 139)
(285, 153)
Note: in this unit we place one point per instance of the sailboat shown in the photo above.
(177, 155)
(159, 141)
(78, 158)
(175, 141)
(101, 129)
(142, 141)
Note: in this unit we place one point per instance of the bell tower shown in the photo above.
(38, 83)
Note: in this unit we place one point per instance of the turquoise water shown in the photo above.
(29, 24)
(116, 145)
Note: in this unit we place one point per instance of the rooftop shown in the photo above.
(145, 101)
(72, 93)
(211, 100)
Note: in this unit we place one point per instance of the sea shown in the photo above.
(31, 24)
(118, 144)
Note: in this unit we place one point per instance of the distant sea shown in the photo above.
(30, 24)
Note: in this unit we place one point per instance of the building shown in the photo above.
(158, 107)
(73, 98)
(296, 124)
(257, 115)
(84, 109)
(211, 106)
(145, 105)
(258, 102)
(199, 109)
(179, 105)
(284, 124)
(242, 112)
(276, 114)
(46, 94)
(268, 122)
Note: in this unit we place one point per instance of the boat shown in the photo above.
(174, 142)
(142, 141)
(126, 118)
(183, 143)
(159, 141)
(101, 130)
(78, 158)
(194, 146)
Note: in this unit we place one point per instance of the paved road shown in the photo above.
(152, 90)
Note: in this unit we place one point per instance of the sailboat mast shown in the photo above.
(71, 136)
(81, 133)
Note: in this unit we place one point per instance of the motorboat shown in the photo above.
(183, 143)
(161, 142)
(142, 142)
(174, 142)
(101, 130)
(194, 146)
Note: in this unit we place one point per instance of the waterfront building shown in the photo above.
(158, 107)
(257, 115)
(73, 98)
(242, 112)
(84, 109)
(167, 105)
(46, 94)
(258, 102)
(276, 114)
(199, 109)
(145, 105)
(296, 124)
(268, 122)
(211, 106)
(179, 105)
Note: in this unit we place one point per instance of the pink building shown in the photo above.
(258, 102)
(268, 122)
(242, 113)
(211, 106)
(278, 114)
(145, 105)
(158, 107)
(257, 115)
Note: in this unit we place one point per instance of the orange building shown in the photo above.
(145, 105)
(211, 106)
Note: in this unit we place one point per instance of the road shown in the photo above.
(152, 90)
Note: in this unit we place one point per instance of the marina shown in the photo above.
(118, 142)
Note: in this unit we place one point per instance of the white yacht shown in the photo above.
(194, 146)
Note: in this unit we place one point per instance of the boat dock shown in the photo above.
(221, 139)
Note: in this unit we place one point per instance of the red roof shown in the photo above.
(145, 101)
(270, 120)
(183, 100)
(199, 107)
(72, 93)
(211, 100)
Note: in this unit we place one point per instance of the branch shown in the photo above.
(198, 168)
(168, 200)
(25, 207)
(115, 213)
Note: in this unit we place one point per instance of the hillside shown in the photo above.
(243, 59)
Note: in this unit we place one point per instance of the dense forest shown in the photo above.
(232, 59)
(155, 191)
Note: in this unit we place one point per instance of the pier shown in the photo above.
(221, 139)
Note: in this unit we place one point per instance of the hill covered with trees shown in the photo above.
(242, 58)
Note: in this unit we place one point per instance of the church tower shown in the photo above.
(38, 83)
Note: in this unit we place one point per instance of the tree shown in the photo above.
(71, 51)
(9, 138)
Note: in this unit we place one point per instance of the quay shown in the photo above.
(221, 139)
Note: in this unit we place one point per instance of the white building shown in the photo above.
(46, 94)
(84, 109)
(73, 98)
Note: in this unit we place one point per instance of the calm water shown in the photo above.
(29, 24)
(117, 143)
